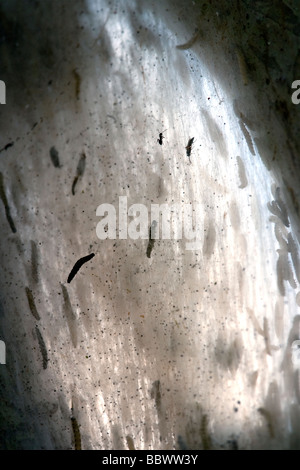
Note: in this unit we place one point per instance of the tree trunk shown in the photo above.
(181, 332)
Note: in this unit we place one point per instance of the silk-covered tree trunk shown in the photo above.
(155, 343)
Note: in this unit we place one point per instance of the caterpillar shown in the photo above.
(78, 265)
(151, 239)
(42, 347)
(76, 433)
(79, 171)
(34, 262)
(31, 303)
(54, 157)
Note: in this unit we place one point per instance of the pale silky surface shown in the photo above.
(187, 349)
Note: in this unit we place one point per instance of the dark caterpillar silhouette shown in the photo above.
(206, 439)
(269, 420)
(155, 394)
(76, 433)
(247, 137)
(7, 146)
(34, 262)
(6, 206)
(78, 265)
(31, 303)
(79, 171)
(54, 157)
(70, 316)
(77, 79)
(151, 238)
(130, 443)
(42, 347)
(189, 148)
